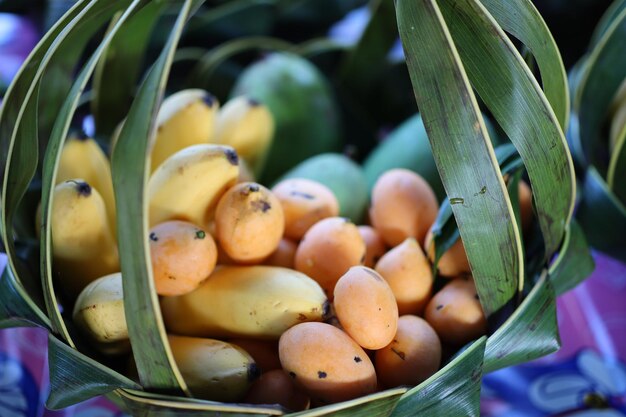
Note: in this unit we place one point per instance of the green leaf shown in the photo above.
(19, 156)
(606, 20)
(602, 75)
(574, 262)
(521, 19)
(602, 216)
(16, 308)
(529, 333)
(454, 391)
(130, 168)
(505, 84)
(140, 403)
(616, 177)
(118, 71)
(75, 377)
(94, 16)
(463, 152)
(380, 404)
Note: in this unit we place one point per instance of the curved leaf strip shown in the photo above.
(606, 20)
(521, 19)
(19, 166)
(616, 177)
(535, 319)
(603, 73)
(463, 152)
(75, 377)
(602, 216)
(378, 404)
(454, 391)
(130, 167)
(118, 71)
(504, 82)
(93, 17)
(15, 310)
(574, 262)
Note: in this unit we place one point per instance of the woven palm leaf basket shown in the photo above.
(493, 101)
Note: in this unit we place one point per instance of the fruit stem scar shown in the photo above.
(153, 237)
(200, 234)
(232, 156)
(321, 374)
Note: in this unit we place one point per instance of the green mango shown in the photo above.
(407, 146)
(305, 113)
(343, 176)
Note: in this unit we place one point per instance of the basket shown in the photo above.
(451, 48)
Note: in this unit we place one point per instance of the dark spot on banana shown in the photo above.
(200, 234)
(253, 102)
(173, 278)
(292, 374)
(439, 307)
(153, 237)
(209, 100)
(253, 371)
(357, 359)
(400, 354)
(253, 188)
(232, 156)
(82, 188)
(303, 195)
(321, 374)
(302, 317)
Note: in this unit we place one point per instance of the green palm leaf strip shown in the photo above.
(574, 262)
(606, 20)
(616, 177)
(602, 216)
(117, 73)
(463, 152)
(75, 377)
(535, 318)
(130, 167)
(603, 73)
(17, 155)
(380, 404)
(521, 19)
(454, 391)
(505, 84)
(93, 17)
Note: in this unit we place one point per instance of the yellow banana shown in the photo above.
(83, 158)
(83, 246)
(247, 126)
(213, 370)
(99, 313)
(246, 301)
(188, 185)
(185, 118)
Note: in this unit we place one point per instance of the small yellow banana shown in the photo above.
(83, 158)
(247, 126)
(213, 370)
(185, 118)
(246, 301)
(188, 185)
(83, 246)
(99, 313)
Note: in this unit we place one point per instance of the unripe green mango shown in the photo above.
(300, 99)
(407, 146)
(343, 176)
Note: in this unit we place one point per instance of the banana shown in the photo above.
(185, 118)
(213, 370)
(248, 126)
(246, 301)
(99, 313)
(83, 158)
(83, 246)
(188, 185)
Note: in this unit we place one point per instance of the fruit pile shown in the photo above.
(269, 295)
